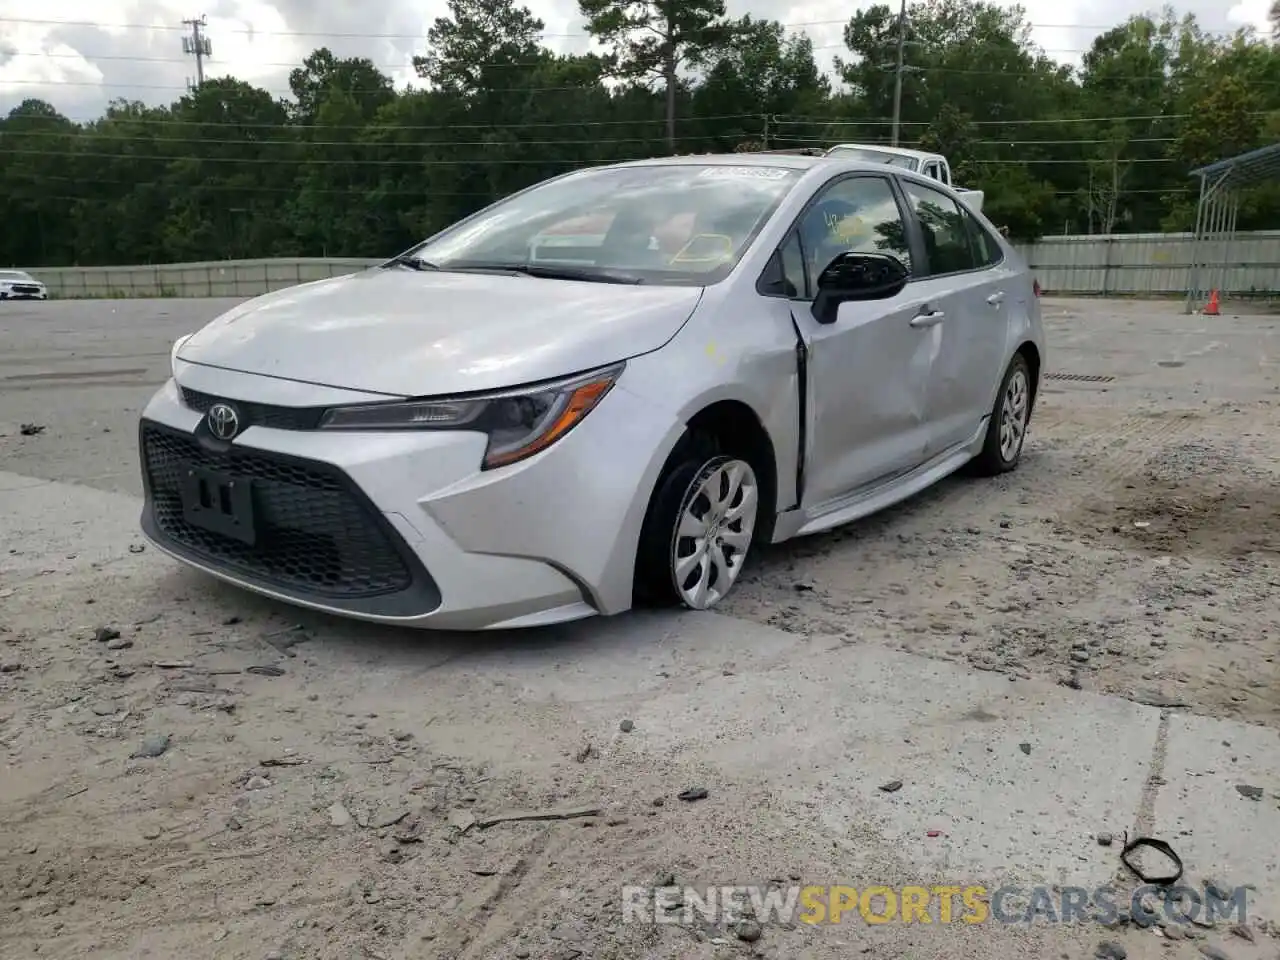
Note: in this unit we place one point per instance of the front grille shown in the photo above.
(317, 535)
(24, 288)
(259, 414)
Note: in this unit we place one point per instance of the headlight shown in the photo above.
(518, 423)
(173, 352)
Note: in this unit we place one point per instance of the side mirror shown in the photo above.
(858, 276)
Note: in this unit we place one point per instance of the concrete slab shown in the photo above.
(829, 723)
(46, 525)
(825, 722)
(1015, 776)
(1218, 832)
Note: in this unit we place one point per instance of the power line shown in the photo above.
(525, 125)
(469, 161)
(775, 120)
(302, 140)
(582, 34)
(380, 65)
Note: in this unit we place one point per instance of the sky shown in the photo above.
(51, 50)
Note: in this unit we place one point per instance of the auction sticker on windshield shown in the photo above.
(744, 173)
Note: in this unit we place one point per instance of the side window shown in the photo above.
(946, 235)
(944, 172)
(855, 215)
(985, 246)
(931, 170)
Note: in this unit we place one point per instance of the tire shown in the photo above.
(1007, 427)
(695, 467)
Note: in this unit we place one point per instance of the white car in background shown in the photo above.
(609, 387)
(20, 285)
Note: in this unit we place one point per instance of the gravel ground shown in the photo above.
(227, 777)
(1134, 552)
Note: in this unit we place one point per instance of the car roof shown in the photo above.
(789, 161)
(894, 151)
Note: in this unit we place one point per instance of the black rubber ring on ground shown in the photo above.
(1154, 845)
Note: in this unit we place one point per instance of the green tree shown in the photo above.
(322, 72)
(481, 44)
(653, 39)
(762, 67)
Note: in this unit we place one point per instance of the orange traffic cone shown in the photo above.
(1211, 308)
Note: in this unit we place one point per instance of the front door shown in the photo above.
(868, 373)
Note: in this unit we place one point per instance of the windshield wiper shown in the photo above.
(548, 272)
(416, 263)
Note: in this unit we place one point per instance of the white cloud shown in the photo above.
(79, 66)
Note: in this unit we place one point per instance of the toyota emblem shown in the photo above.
(224, 422)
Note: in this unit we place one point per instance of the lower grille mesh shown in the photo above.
(316, 534)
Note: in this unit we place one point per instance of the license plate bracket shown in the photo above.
(219, 503)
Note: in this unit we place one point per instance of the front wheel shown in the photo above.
(699, 529)
(1007, 428)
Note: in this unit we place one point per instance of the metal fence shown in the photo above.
(1144, 264)
(1155, 264)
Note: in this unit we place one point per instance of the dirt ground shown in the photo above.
(189, 771)
(1134, 552)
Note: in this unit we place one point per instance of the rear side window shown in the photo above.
(985, 247)
(946, 234)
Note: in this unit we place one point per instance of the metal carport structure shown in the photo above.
(1220, 186)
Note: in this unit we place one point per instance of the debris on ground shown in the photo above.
(339, 816)
(106, 634)
(893, 786)
(266, 670)
(1243, 932)
(1105, 838)
(152, 747)
(31, 429)
(692, 794)
(1110, 950)
(1249, 792)
(571, 813)
(462, 820)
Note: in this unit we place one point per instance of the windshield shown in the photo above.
(874, 156)
(13, 275)
(678, 224)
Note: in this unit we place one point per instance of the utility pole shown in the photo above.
(198, 46)
(897, 82)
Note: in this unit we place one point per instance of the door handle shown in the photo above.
(996, 298)
(928, 319)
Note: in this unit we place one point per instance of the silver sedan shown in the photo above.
(610, 387)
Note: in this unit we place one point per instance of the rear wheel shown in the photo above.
(1007, 428)
(699, 527)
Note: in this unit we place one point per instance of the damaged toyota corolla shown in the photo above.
(603, 390)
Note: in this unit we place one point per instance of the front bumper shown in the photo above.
(403, 528)
(25, 292)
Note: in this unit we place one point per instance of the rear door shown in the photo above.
(965, 277)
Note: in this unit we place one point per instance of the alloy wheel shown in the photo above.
(713, 532)
(1013, 415)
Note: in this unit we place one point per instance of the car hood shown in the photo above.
(406, 333)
